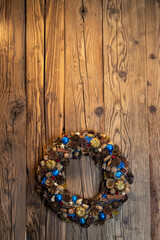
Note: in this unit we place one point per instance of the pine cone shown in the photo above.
(116, 161)
(73, 144)
(75, 138)
(52, 189)
(93, 211)
(51, 153)
(66, 198)
(130, 177)
(60, 180)
(83, 142)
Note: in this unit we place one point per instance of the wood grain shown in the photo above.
(35, 114)
(153, 84)
(112, 96)
(68, 65)
(54, 92)
(12, 120)
(132, 62)
(83, 95)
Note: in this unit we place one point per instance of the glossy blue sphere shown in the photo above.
(82, 221)
(65, 140)
(58, 198)
(55, 172)
(118, 174)
(74, 198)
(110, 148)
(102, 216)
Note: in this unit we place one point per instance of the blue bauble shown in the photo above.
(44, 180)
(104, 195)
(102, 216)
(65, 140)
(74, 198)
(118, 174)
(88, 139)
(82, 221)
(58, 198)
(110, 148)
(55, 172)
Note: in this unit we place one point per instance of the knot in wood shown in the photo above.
(83, 11)
(152, 109)
(99, 111)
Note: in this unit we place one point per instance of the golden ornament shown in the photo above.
(120, 185)
(50, 164)
(80, 212)
(95, 142)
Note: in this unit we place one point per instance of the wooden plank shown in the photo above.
(83, 95)
(112, 99)
(131, 43)
(35, 113)
(12, 120)
(54, 92)
(153, 83)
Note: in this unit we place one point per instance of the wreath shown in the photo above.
(117, 178)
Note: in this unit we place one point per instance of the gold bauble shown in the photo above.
(120, 185)
(50, 164)
(95, 142)
(80, 212)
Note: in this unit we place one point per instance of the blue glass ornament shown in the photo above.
(55, 172)
(44, 180)
(82, 221)
(121, 165)
(110, 148)
(102, 216)
(65, 140)
(58, 198)
(74, 198)
(118, 174)
(88, 139)
(104, 195)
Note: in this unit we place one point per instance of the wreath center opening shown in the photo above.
(83, 177)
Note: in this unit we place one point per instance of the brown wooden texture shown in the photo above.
(36, 212)
(54, 92)
(153, 104)
(68, 65)
(12, 120)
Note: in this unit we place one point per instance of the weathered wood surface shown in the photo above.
(67, 65)
(153, 107)
(12, 120)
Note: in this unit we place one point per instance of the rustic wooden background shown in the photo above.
(67, 65)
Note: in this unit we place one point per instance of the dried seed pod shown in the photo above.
(42, 163)
(110, 183)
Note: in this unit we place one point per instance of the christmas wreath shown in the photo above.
(117, 178)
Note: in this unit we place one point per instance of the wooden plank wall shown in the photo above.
(67, 65)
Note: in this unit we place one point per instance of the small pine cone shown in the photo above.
(85, 150)
(66, 197)
(116, 161)
(60, 180)
(42, 171)
(73, 144)
(75, 138)
(91, 132)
